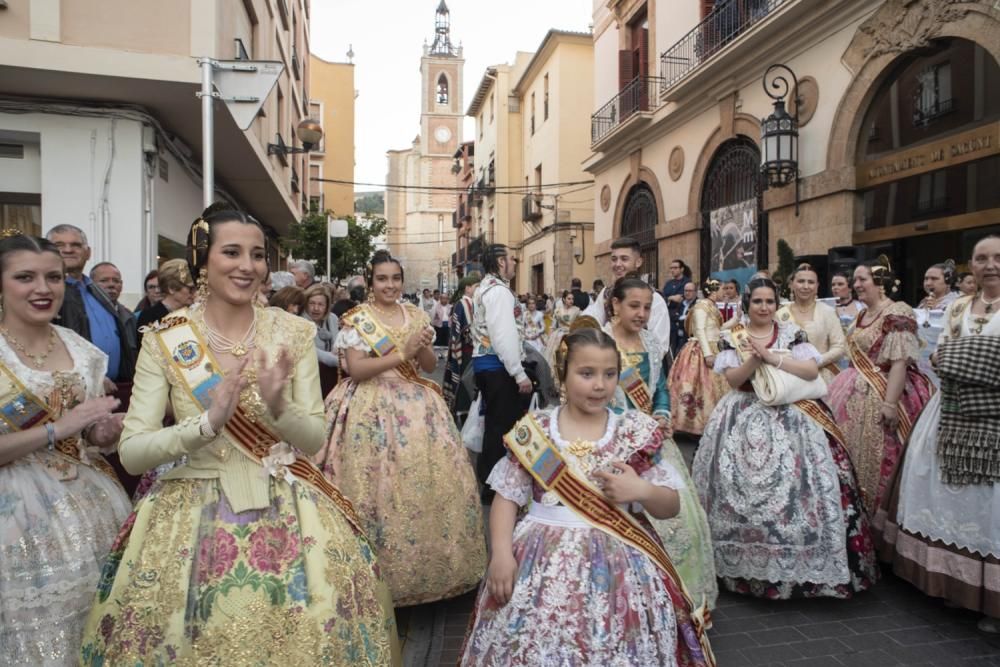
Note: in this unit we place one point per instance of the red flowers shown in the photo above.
(272, 548)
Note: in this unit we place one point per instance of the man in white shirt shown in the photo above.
(626, 257)
(497, 355)
(440, 317)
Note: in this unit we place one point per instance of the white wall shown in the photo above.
(176, 201)
(76, 154)
(22, 175)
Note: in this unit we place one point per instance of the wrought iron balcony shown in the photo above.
(726, 22)
(641, 94)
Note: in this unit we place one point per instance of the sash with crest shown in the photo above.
(199, 372)
(631, 382)
(812, 408)
(21, 409)
(540, 456)
(383, 344)
(873, 376)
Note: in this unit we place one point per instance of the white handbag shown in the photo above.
(774, 386)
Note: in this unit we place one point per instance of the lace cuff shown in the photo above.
(349, 339)
(726, 359)
(511, 481)
(664, 474)
(898, 345)
(805, 352)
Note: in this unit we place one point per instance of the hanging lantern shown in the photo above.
(779, 135)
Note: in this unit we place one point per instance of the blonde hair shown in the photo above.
(174, 276)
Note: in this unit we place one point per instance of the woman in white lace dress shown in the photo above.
(778, 487)
(60, 504)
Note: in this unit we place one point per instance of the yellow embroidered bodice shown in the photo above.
(145, 443)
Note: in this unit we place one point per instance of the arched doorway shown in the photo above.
(639, 218)
(733, 229)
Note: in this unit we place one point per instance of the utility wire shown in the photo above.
(505, 189)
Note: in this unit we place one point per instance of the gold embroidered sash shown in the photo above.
(20, 410)
(631, 382)
(199, 372)
(541, 458)
(383, 344)
(870, 372)
(957, 314)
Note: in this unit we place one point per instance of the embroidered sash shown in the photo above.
(541, 458)
(870, 372)
(383, 344)
(957, 314)
(199, 372)
(20, 410)
(631, 382)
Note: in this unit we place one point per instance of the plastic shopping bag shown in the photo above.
(472, 430)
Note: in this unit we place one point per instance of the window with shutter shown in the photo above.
(706, 7)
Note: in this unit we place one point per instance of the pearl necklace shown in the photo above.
(762, 337)
(988, 304)
(224, 345)
(38, 359)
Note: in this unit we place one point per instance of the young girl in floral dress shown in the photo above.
(579, 580)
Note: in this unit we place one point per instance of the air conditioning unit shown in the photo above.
(563, 215)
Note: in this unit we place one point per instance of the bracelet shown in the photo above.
(781, 360)
(50, 433)
(205, 429)
(887, 404)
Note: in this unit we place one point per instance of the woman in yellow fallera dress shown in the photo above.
(818, 320)
(243, 554)
(395, 452)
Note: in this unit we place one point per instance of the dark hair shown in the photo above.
(152, 274)
(19, 242)
(626, 242)
(882, 274)
(288, 296)
(581, 337)
(201, 237)
(380, 257)
(711, 285)
(576, 283)
(685, 269)
(491, 257)
(962, 276)
(597, 282)
(623, 285)
(565, 293)
(847, 277)
(735, 283)
(356, 294)
(947, 270)
(757, 283)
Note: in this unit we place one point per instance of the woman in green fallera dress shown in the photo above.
(643, 387)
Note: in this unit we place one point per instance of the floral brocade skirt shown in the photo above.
(694, 389)
(581, 597)
(876, 452)
(191, 582)
(395, 453)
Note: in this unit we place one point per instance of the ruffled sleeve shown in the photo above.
(511, 481)
(349, 339)
(649, 463)
(727, 358)
(802, 349)
(900, 342)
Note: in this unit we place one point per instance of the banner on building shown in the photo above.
(734, 241)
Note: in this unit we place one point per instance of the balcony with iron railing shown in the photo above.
(636, 100)
(724, 25)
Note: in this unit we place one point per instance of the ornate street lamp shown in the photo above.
(779, 133)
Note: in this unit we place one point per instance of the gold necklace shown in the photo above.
(38, 359)
(874, 316)
(382, 312)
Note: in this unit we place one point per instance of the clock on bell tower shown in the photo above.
(441, 112)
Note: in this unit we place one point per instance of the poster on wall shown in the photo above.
(734, 242)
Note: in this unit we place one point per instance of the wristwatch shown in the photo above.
(205, 427)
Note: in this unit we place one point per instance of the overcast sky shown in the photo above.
(387, 37)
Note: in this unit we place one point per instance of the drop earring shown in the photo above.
(202, 283)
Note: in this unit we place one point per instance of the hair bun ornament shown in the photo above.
(583, 322)
(10, 232)
(711, 285)
(197, 247)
